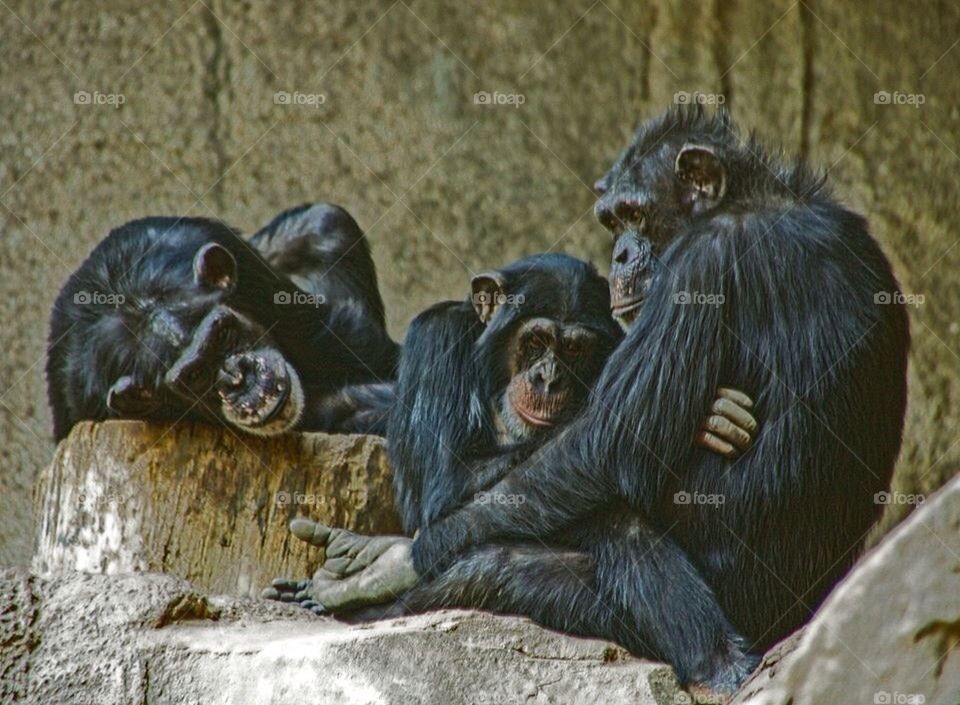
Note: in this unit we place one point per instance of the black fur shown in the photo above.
(316, 250)
(444, 444)
(800, 331)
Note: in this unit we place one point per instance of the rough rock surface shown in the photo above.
(203, 503)
(444, 185)
(890, 633)
(149, 638)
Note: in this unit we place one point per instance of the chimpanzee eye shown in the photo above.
(572, 347)
(536, 344)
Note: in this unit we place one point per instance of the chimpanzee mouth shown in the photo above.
(622, 309)
(255, 391)
(532, 419)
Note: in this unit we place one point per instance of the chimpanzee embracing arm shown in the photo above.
(673, 355)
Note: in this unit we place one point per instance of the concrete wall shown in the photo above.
(445, 186)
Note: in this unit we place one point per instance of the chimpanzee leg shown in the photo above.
(663, 606)
(554, 586)
(629, 585)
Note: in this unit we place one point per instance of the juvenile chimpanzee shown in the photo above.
(482, 384)
(754, 275)
(172, 318)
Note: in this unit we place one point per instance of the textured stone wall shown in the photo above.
(445, 186)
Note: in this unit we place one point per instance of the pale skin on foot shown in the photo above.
(364, 570)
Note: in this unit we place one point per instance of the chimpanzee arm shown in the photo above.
(358, 408)
(439, 413)
(642, 414)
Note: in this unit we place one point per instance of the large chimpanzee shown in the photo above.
(752, 274)
(482, 384)
(172, 318)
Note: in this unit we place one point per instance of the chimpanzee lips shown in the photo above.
(620, 308)
(532, 419)
(254, 387)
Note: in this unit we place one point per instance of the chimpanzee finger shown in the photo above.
(312, 532)
(320, 610)
(270, 594)
(736, 396)
(736, 413)
(714, 444)
(288, 585)
(728, 431)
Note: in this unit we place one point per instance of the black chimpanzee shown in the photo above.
(482, 384)
(754, 275)
(172, 318)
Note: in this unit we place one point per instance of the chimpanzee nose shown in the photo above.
(630, 250)
(547, 379)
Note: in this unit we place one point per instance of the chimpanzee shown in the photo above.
(751, 273)
(482, 384)
(172, 318)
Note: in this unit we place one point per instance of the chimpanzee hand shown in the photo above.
(359, 570)
(729, 430)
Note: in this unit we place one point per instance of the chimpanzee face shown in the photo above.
(551, 366)
(224, 366)
(649, 196)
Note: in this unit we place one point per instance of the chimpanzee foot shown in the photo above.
(726, 679)
(359, 570)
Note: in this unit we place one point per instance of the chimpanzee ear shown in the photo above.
(487, 290)
(128, 398)
(215, 267)
(700, 168)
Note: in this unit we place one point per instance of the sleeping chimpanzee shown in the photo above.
(172, 318)
(751, 273)
(482, 384)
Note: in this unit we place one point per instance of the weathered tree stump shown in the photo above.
(202, 502)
